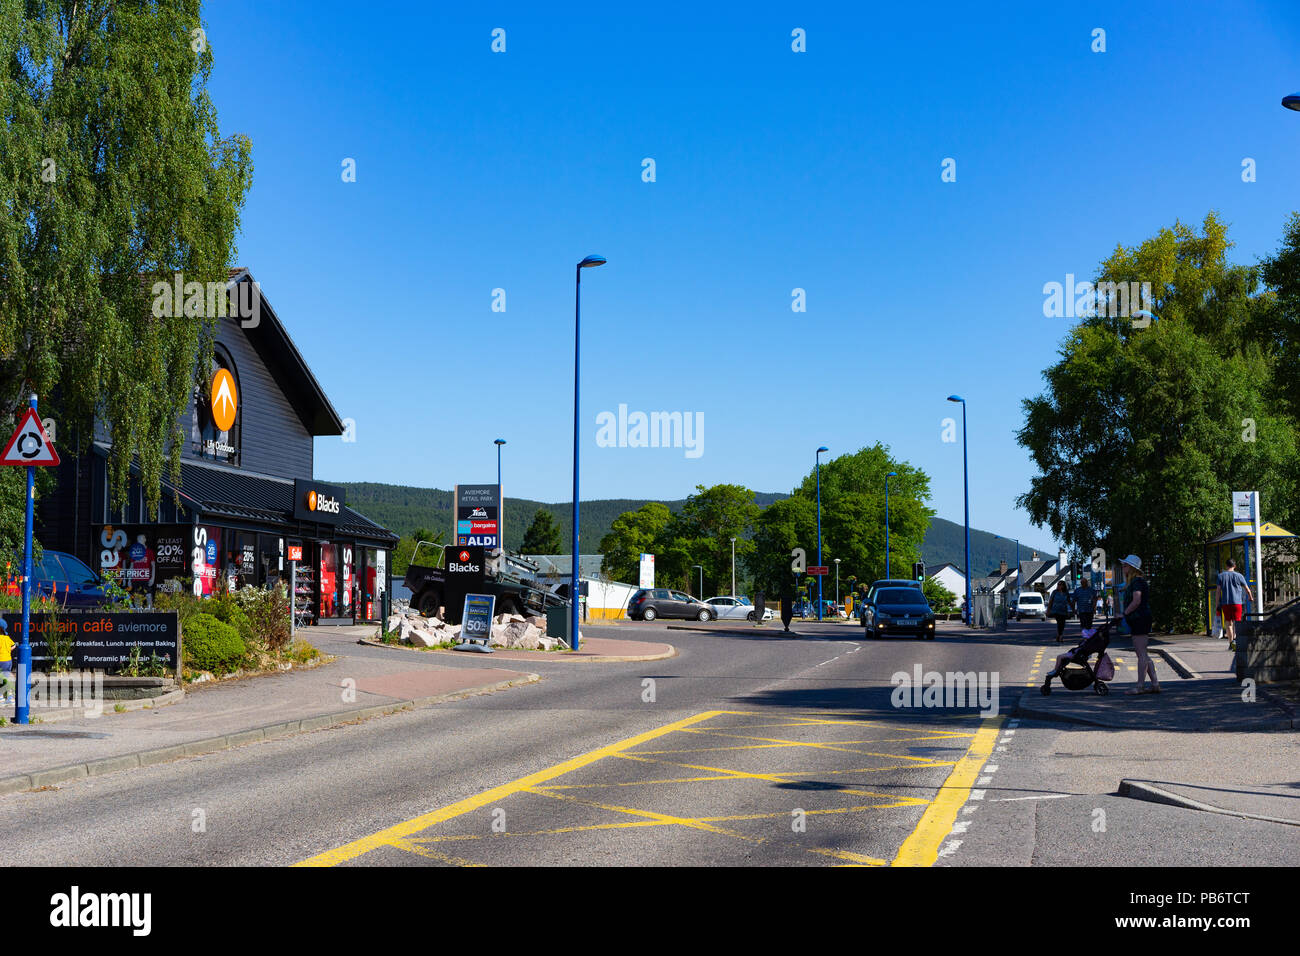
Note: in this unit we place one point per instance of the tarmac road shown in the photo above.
(740, 750)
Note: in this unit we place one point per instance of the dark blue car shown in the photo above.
(69, 579)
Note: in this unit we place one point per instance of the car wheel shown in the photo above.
(751, 616)
(704, 617)
(649, 614)
(429, 603)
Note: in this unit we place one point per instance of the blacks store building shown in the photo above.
(246, 504)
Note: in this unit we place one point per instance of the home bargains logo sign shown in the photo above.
(314, 501)
(477, 516)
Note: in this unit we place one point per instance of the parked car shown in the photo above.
(70, 580)
(648, 604)
(737, 608)
(899, 610)
(876, 586)
(1030, 604)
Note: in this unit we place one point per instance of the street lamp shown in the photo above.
(819, 527)
(1292, 102)
(586, 263)
(499, 442)
(701, 567)
(733, 567)
(965, 480)
(837, 582)
(892, 474)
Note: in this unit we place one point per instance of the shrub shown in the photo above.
(180, 600)
(227, 610)
(211, 645)
(268, 610)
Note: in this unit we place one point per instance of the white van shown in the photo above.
(1030, 604)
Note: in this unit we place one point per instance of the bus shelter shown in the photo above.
(1280, 585)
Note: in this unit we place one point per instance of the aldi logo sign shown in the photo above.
(477, 516)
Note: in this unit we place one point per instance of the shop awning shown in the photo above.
(213, 491)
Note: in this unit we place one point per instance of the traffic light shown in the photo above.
(918, 571)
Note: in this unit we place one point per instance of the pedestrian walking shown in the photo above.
(1085, 603)
(1136, 608)
(1232, 588)
(1059, 608)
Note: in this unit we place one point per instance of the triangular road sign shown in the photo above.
(29, 444)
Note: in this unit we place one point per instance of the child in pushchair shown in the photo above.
(1073, 669)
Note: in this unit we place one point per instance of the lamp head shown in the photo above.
(822, 449)
(892, 474)
(956, 398)
(499, 441)
(590, 261)
(1292, 102)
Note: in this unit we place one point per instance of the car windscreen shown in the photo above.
(1030, 599)
(909, 597)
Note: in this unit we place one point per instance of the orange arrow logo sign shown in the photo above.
(225, 400)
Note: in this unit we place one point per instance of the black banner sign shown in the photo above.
(101, 640)
(316, 501)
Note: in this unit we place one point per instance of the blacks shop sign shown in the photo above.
(464, 575)
(101, 640)
(316, 501)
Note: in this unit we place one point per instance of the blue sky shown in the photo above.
(775, 170)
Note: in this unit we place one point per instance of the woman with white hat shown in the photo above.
(1137, 614)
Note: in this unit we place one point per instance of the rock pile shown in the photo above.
(512, 631)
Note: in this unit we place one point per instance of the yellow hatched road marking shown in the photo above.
(350, 851)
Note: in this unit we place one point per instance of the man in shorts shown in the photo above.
(1232, 588)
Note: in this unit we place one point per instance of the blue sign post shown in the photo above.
(29, 446)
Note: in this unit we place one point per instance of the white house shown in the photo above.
(953, 578)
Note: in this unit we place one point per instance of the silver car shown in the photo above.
(737, 608)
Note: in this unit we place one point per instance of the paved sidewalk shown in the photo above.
(247, 709)
(592, 650)
(1201, 744)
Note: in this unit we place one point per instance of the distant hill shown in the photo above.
(945, 542)
(402, 509)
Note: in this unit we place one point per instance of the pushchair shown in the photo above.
(1075, 673)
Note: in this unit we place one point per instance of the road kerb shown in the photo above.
(921, 848)
(1141, 790)
(147, 758)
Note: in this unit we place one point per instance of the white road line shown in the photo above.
(961, 826)
(949, 848)
(1049, 796)
(984, 781)
(991, 768)
(977, 794)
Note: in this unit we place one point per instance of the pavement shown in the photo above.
(1155, 744)
(591, 650)
(219, 714)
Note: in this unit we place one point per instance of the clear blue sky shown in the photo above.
(775, 170)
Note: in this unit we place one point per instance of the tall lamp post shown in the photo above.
(892, 474)
(819, 527)
(733, 567)
(837, 582)
(499, 442)
(965, 480)
(501, 501)
(586, 263)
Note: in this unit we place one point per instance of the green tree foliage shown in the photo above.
(1143, 432)
(853, 520)
(703, 530)
(113, 173)
(543, 535)
(630, 535)
(427, 557)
